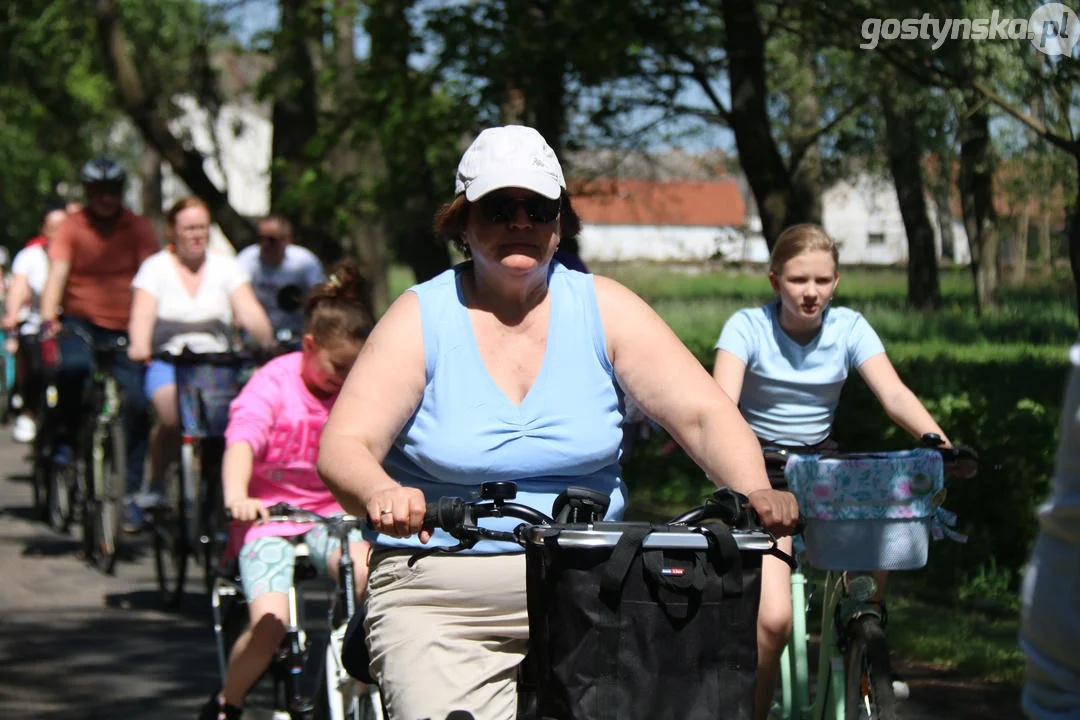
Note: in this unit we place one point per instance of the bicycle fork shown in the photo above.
(295, 647)
(100, 489)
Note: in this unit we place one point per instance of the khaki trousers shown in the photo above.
(447, 634)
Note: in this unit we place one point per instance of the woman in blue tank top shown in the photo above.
(506, 367)
(785, 365)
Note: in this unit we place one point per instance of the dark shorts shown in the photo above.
(775, 462)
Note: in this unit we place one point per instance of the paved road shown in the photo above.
(77, 644)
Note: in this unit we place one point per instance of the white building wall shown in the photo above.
(854, 211)
(614, 243)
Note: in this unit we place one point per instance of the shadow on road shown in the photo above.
(91, 663)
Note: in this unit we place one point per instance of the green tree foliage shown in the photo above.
(53, 105)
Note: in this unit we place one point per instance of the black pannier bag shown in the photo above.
(633, 621)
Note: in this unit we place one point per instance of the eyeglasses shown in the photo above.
(502, 207)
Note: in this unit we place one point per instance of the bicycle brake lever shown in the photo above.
(420, 554)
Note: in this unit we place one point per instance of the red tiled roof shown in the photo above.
(715, 203)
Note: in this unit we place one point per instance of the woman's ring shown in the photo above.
(387, 512)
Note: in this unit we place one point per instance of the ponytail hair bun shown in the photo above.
(339, 307)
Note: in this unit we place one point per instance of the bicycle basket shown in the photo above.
(629, 621)
(204, 393)
(870, 511)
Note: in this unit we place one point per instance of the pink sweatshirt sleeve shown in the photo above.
(252, 413)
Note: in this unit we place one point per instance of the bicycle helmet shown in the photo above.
(102, 170)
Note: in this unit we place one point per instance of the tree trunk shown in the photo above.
(806, 174)
(942, 189)
(905, 155)
(1046, 252)
(1074, 240)
(150, 180)
(759, 155)
(294, 113)
(366, 234)
(409, 196)
(147, 114)
(1020, 246)
(977, 201)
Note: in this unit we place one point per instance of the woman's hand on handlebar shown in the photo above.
(777, 510)
(248, 510)
(398, 511)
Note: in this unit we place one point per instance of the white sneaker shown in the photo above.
(25, 429)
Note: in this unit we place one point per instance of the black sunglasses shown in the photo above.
(502, 207)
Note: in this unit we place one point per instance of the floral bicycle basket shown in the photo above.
(871, 511)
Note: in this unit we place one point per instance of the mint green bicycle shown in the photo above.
(882, 520)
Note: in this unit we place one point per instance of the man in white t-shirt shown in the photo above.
(274, 264)
(22, 317)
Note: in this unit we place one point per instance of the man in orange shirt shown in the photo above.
(93, 259)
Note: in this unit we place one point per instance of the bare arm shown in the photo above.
(236, 467)
(141, 325)
(59, 271)
(899, 403)
(383, 390)
(18, 296)
(730, 372)
(250, 315)
(676, 391)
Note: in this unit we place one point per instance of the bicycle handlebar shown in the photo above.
(459, 517)
(337, 525)
(98, 348)
(951, 456)
(229, 358)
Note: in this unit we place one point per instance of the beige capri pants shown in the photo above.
(447, 633)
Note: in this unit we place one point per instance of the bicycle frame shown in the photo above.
(829, 699)
(342, 699)
(106, 416)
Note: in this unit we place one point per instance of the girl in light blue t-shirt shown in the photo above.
(785, 365)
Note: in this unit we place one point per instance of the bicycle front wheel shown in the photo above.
(170, 538)
(61, 496)
(215, 526)
(105, 509)
(869, 690)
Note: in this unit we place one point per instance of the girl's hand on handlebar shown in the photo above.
(776, 509)
(248, 510)
(965, 464)
(398, 511)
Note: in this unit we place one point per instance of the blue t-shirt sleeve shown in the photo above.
(737, 337)
(863, 342)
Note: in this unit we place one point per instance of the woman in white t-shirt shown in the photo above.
(22, 319)
(186, 298)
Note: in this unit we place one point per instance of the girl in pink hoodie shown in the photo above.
(272, 442)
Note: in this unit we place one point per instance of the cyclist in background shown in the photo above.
(1050, 621)
(271, 444)
(186, 298)
(275, 264)
(22, 319)
(93, 259)
(785, 364)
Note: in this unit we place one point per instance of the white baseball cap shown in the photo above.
(510, 156)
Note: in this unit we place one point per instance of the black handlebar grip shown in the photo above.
(448, 514)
